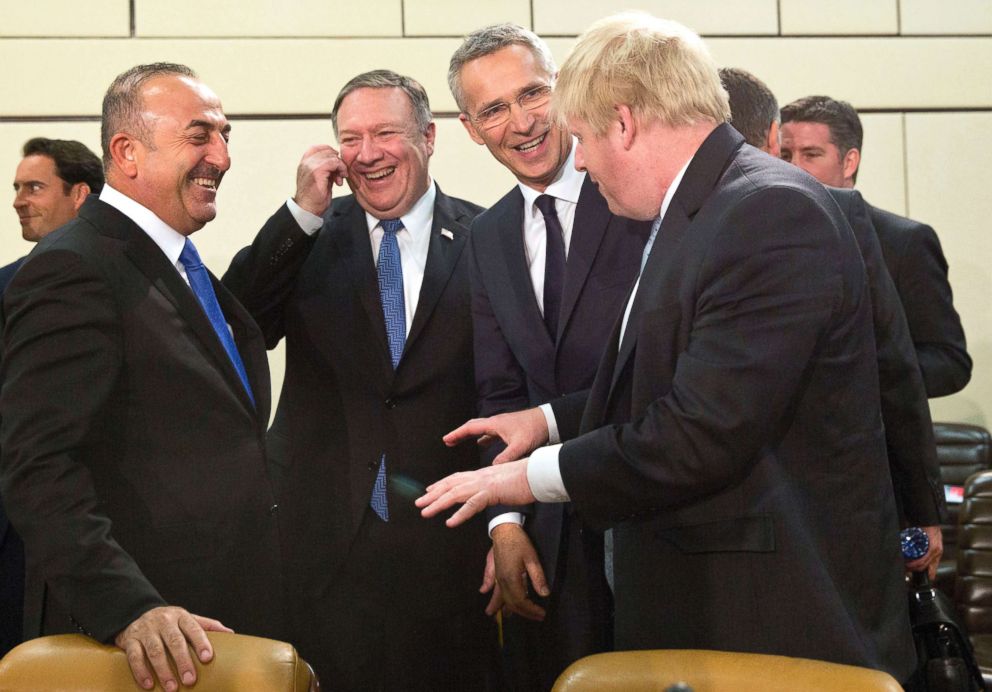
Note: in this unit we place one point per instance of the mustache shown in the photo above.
(206, 171)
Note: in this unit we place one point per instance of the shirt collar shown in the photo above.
(169, 240)
(670, 193)
(567, 184)
(418, 219)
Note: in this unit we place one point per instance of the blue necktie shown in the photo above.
(554, 263)
(199, 281)
(390, 272)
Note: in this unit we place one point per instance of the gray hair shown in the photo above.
(488, 40)
(385, 79)
(123, 104)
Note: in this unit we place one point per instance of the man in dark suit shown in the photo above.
(905, 413)
(823, 136)
(371, 293)
(732, 437)
(135, 395)
(501, 77)
(50, 184)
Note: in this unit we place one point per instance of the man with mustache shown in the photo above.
(551, 267)
(371, 293)
(134, 402)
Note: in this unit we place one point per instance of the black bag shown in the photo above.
(946, 661)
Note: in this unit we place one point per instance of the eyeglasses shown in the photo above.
(498, 113)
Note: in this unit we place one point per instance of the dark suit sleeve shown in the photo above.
(769, 285)
(908, 429)
(263, 275)
(63, 358)
(933, 322)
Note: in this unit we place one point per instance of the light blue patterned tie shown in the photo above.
(199, 281)
(390, 272)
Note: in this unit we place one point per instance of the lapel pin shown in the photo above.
(447, 234)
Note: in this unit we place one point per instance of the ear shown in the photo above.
(79, 192)
(124, 152)
(470, 128)
(429, 135)
(626, 125)
(852, 159)
(773, 144)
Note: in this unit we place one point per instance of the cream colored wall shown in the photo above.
(920, 70)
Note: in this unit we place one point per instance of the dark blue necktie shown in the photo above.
(199, 281)
(554, 263)
(390, 272)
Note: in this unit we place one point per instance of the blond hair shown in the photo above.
(659, 68)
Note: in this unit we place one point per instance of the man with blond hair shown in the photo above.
(732, 438)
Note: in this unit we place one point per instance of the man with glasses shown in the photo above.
(551, 267)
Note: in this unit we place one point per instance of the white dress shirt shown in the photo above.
(543, 471)
(169, 240)
(413, 240)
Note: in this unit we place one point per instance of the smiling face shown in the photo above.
(40, 198)
(177, 172)
(384, 150)
(528, 144)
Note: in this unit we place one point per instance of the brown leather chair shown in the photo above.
(73, 662)
(962, 450)
(973, 586)
(716, 671)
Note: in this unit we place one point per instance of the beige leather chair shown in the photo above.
(716, 671)
(75, 663)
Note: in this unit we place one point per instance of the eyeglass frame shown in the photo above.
(542, 92)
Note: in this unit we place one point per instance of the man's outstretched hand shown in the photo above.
(503, 484)
(522, 431)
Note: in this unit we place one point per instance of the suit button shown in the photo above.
(373, 466)
(390, 403)
(273, 510)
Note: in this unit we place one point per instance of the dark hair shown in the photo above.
(384, 79)
(753, 107)
(74, 162)
(839, 117)
(122, 104)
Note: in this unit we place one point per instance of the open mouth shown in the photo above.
(379, 175)
(530, 146)
(208, 183)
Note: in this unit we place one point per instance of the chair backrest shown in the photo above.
(962, 450)
(716, 671)
(74, 662)
(973, 585)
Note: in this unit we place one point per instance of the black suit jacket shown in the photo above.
(133, 460)
(734, 438)
(342, 406)
(517, 365)
(916, 263)
(905, 412)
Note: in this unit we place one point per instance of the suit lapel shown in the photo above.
(443, 252)
(592, 216)
(152, 262)
(702, 175)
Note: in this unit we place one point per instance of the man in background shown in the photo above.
(371, 293)
(823, 136)
(550, 269)
(905, 413)
(50, 184)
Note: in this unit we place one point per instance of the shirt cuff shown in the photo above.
(309, 223)
(549, 417)
(506, 518)
(544, 476)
